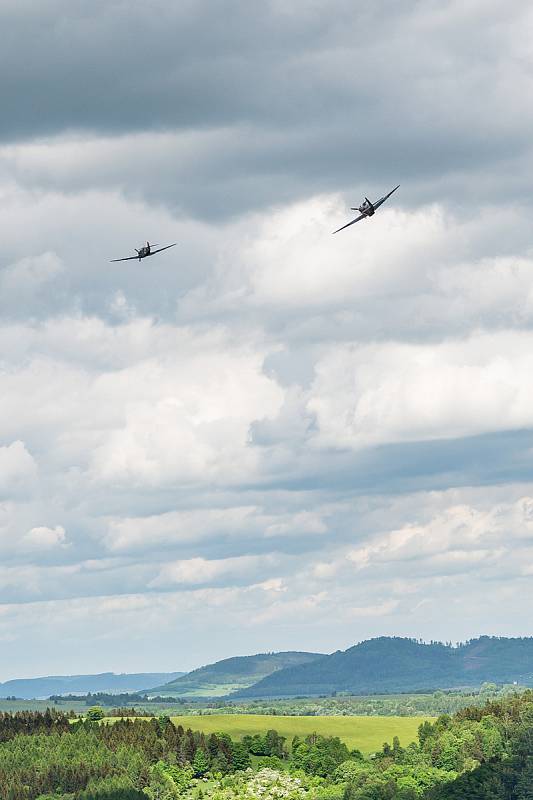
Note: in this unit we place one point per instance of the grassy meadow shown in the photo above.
(366, 733)
(79, 707)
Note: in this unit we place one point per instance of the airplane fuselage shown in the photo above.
(144, 251)
(367, 209)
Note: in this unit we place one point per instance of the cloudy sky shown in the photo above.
(268, 437)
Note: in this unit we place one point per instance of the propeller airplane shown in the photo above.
(144, 252)
(367, 209)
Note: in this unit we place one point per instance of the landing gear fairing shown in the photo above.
(367, 209)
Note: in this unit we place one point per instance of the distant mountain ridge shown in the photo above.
(393, 664)
(224, 676)
(108, 682)
(375, 666)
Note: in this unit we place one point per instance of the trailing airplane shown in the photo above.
(143, 252)
(367, 209)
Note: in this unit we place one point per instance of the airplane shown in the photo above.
(143, 252)
(367, 209)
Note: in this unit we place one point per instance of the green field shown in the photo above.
(366, 733)
(41, 705)
(209, 690)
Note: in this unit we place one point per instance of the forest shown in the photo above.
(396, 664)
(484, 753)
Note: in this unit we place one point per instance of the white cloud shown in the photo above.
(295, 261)
(305, 522)
(43, 538)
(187, 417)
(202, 526)
(325, 570)
(460, 539)
(178, 527)
(140, 405)
(372, 394)
(198, 571)
(18, 468)
(383, 609)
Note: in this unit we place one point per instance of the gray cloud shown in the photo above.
(310, 438)
(277, 103)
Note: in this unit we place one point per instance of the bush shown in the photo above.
(95, 713)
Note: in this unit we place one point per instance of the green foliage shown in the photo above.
(161, 785)
(478, 754)
(200, 763)
(54, 797)
(272, 762)
(328, 792)
(167, 781)
(240, 757)
(114, 788)
(271, 744)
(350, 771)
(319, 755)
(524, 784)
(95, 713)
(51, 721)
(48, 762)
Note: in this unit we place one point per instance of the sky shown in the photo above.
(267, 437)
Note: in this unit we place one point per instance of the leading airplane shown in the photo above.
(143, 252)
(367, 209)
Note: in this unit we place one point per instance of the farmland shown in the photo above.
(364, 733)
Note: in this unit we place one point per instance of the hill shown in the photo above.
(403, 665)
(239, 672)
(109, 682)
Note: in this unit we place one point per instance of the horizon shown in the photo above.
(451, 644)
(266, 434)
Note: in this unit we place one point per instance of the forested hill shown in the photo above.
(107, 682)
(233, 673)
(403, 665)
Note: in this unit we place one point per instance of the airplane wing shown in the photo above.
(162, 248)
(349, 223)
(129, 258)
(379, 202)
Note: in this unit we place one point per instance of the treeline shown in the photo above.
(32, 722)
(121, 699)
(402, 705)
